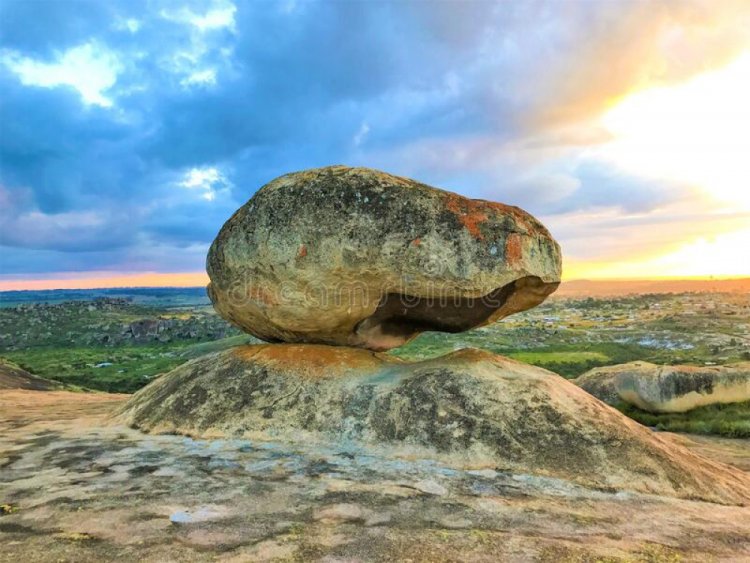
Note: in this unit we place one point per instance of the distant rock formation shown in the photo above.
(664, 389)
(470, 408)
(13, 376)
(358, 257)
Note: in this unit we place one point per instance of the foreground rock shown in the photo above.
(354, 256)
(468, 409)
(13, 376)
(77, 488)
(664, 389)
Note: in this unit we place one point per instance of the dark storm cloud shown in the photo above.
(238, 94)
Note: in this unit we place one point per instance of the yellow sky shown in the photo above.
(696, 133)
(109, 279)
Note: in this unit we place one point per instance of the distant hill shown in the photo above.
(605, 288)
(196, 296)
(154, 296)
(13, 376)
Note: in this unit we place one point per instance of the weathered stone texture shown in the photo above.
(663, 389)
(358, 257)
(469, 408)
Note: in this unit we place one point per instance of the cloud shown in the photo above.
(130, 131)
(217, 17)
(361, 134)
(208, 180)
(606, 50)
(89, 69)
(200, 77)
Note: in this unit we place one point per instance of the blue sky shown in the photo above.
(130, 131)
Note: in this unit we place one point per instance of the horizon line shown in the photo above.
(81, 284)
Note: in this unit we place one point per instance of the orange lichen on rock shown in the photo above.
(316, 361)
(323, 250)
(513, 251)
(471, 212)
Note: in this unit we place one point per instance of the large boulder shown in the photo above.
(468, 409)
(665, 389)
(354, 256)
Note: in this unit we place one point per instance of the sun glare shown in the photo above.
(696, 133)
(723, 255)
(720, 256)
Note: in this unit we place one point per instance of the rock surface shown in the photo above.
(354, 256)
(468, 409)
(664, 389)
(78, 488)
(13, 376)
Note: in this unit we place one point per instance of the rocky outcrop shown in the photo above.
(13, 376)
(664, 389)
(469, 408)
(358, 257)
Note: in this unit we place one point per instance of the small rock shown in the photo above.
(455, 523)
(180, 517)
(377, 519)
(431, 487)
(344, 512)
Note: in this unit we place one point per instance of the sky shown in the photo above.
(131, 130)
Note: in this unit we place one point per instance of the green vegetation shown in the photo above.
(565, 363)
(568, 360)
(8, 509)
(571, 336)
(131, 367)
(119, 342)
(731, 420)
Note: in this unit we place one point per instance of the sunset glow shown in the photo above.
(187, 279)
(697, 133)
(721, 256)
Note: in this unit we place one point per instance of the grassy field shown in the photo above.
(568, 360)
(131, 367)
(730, 420)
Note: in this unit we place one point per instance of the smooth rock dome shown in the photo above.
(470, 409)
(358, 257)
